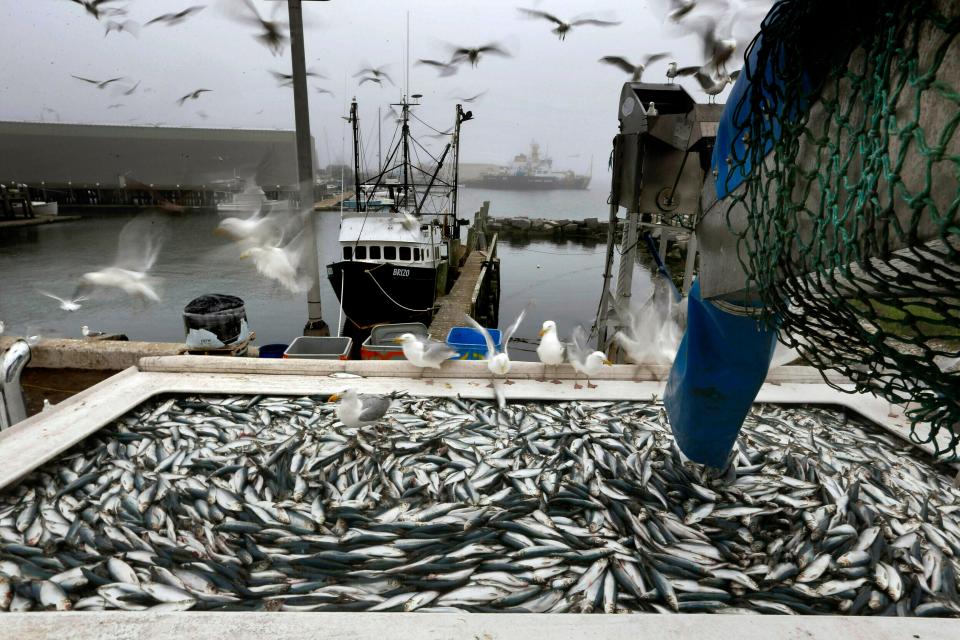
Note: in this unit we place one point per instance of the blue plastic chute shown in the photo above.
(719, 368)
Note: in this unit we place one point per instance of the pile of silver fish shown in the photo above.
(270, 503)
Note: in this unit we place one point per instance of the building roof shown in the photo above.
(55, 153)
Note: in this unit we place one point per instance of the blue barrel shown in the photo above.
(273, 350)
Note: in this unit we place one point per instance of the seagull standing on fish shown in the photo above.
(584, 361)
(425, 354)
(550, 350)
(357, 411)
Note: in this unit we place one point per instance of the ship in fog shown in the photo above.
(532, 172)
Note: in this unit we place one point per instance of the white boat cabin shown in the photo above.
(381, 237)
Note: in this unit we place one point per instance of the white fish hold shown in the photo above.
(439, 505)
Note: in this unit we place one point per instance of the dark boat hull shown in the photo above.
(378, 293)
(527, 183)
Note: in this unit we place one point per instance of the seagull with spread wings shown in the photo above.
(473, 54)
(444, 69)
(498, 363)
(171, 19)
(635, 71)
(563, 27)
(193, 95)
(375, 72)
(100, 84)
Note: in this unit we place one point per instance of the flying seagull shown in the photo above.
(673, 71)
(286, 79)
(563, 27)
(138, 247)
(444, 68)
(376, 72)
(193, 95)
(326, 91)
(93, 6)
(171, 19)
(100, 84)
(717, 50)
(472, 98)
(356, 411)
(472, 54)
(66, 304)
(376, 80)
(272, 31)
(129, 26)
(129, 92)
(635, 71)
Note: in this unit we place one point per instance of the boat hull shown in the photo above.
(528, 183)
(389, 292)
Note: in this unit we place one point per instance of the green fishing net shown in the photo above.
(850, 158)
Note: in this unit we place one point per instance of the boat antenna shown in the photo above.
(354, 121)
(406, 81)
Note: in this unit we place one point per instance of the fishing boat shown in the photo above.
(397, 232)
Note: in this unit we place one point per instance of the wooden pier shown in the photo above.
(10, 223)
(477, 290)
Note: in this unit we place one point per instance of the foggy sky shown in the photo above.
(551, 91)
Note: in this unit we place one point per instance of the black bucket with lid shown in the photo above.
(222, 315)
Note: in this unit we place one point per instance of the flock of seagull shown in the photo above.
(362, 410)
(686, 16)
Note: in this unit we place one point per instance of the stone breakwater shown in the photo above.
(525, 227)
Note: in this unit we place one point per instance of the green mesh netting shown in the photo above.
(851, 235)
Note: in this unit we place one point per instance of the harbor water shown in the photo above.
(562, 281)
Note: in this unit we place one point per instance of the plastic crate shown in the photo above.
(318, 348)
(469, 342)
(381, 345)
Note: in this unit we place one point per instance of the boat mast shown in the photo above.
(456, 162)
(354, 121)
(405, 135)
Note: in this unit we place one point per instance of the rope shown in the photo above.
(369, 272)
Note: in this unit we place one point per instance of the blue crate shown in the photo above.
(469, 342)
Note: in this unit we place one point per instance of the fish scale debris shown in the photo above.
(269, 503)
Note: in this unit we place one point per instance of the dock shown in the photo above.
(477, 290)
(37, 220)
(333, 202)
